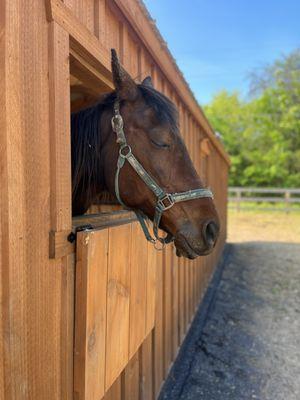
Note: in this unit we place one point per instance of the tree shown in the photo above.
(262, 135)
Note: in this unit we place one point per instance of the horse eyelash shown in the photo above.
(160, 145)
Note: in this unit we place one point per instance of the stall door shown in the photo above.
(115, 300)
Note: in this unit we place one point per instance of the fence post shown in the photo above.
(287, 196)
(238, 199)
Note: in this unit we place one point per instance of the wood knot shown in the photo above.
(91, 341)
(116, 287)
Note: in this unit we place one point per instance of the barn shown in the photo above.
(101, 317)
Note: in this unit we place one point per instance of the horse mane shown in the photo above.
(86, 140)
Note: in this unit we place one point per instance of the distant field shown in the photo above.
(270, 226)
(264, 206)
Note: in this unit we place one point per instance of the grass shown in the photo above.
(259, 225)
(264, 206)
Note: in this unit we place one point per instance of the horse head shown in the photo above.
(151, 130)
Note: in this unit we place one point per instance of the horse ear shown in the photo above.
(124, 84)
(147, 82)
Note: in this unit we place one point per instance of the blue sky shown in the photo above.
(216, 43)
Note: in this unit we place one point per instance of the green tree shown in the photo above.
(262, 135)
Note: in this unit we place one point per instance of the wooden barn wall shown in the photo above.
(36, 293)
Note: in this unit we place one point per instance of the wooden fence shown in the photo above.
(55, 57)
(281, 196)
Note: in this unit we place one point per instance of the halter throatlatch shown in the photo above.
(164, 200)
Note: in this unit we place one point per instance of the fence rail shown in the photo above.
(240, 195)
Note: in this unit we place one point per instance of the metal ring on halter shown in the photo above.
(126, 147)
(161, 247)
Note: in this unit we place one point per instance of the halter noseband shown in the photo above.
(164, 200)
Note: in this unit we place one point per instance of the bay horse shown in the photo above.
(138, 124)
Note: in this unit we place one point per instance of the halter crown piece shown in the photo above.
(164, 200)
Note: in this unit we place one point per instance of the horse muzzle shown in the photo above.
(190, 243)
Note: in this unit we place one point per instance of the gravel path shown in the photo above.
(245, 341)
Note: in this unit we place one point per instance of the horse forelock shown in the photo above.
(163, 107)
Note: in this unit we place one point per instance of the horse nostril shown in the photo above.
(210, 233)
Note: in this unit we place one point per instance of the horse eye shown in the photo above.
(160, 145)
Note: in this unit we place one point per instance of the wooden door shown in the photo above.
(114, 312)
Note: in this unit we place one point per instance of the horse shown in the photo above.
(138, 124)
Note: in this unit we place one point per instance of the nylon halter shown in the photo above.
(164, 200)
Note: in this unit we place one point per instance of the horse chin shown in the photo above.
(187, 248)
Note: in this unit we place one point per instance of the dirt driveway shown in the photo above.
(245, 340)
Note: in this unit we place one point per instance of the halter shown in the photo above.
(164, 200)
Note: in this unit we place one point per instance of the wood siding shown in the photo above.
(39, 42)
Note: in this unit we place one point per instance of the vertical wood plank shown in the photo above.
(175, 303)
(158, 330)
(113, 29)
(84, 11)
(115, 391)
(118, 302)
(59, 110)
(186, 282)
(31, 285)
(90, 317)
(151, 288)
(138, 288)
(131, 380)
(146, 67)
(146, 369)
(100, 20)
(2, 380)
(181, 266)
(3, 181)
(3, 167)
(167, 271)
(90, 15)
(67, 326)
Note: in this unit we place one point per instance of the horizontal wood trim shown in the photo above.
(104, 220)
(94, 80)
(59, 246)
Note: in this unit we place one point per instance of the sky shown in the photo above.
(218, 43)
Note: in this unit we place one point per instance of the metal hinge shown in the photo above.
(72, 235)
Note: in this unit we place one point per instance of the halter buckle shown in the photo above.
(165, 202)
(159, 245)
(117, 122)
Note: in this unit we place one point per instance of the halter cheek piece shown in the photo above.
(164, 200)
